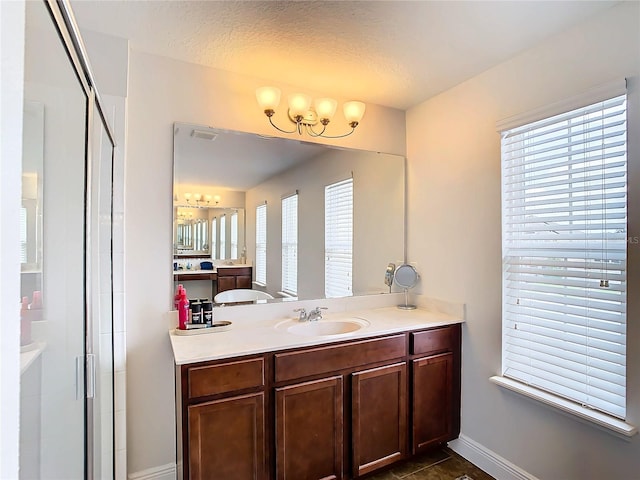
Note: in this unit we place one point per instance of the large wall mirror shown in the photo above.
(313, 221)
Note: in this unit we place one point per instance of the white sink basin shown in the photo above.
(325, 327)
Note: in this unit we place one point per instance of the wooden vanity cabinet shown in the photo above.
(230, 278)
(336, 411)
(372, 415)
(223, 420)
(435, 378)
(309, 430)
(378, 417)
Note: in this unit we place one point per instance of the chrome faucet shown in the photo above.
(315, 314)
(302, 317)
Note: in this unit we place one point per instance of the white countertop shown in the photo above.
(259, 336)
(215, 268)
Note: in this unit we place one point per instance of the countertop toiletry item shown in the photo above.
(35, 307)
(206, 266)
(179, 291)
(196, 312)
(183, 311)
(207, 312)
(25, 322)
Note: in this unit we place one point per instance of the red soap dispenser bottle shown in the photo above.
(183, 311)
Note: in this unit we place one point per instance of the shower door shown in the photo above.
(66, 384)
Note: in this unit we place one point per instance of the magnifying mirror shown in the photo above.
(406, 277)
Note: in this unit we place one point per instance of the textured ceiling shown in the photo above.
(393, 53)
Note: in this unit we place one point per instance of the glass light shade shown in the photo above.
(326, 108)
(299, 104)
(216, 198)
(197, 197)
(268, 97)
(187, 196)
(353, 111)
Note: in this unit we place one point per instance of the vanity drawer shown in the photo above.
(432, 341)
(289, 366)
(225, 377)
(193, 276)
(233, 271)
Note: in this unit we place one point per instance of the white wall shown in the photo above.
(454, 228)
(12, 25)
(161, 92)
(378, 227)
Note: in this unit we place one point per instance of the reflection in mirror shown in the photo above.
(305, 252)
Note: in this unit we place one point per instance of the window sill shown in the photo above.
(614, 425)
(259, 284)
(285, 294)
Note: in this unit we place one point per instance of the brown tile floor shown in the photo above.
(439, 464)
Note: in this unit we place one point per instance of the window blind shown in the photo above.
(214, 237)
(338, 238)
(564, 215)
(261, 244)
(290, 244)
(223, 237)
(23, 235)
(234, 235)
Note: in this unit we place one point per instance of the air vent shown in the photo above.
(204, 134)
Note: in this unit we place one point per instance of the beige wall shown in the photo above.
(161, 92)
(454, 235)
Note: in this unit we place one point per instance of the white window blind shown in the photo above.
(290, 244)
(261, 244)
(214, 237)
(338, 238)
(223, 237)
(234, 235)
(23, 235)
(564, 255)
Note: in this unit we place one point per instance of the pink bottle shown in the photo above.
(25, 322)
(183, 311)
(179, 291)
(35, 308)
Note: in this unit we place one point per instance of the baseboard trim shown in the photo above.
(165, 472)
(488, 460)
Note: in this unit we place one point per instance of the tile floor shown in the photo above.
(439, 464)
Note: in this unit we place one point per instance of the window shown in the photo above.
(564, 229)
(214, 237)
(223, 237)
(261, 244)
(338, 238)
(290, 244)
(234, 235)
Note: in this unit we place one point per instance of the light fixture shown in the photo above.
(304, 116)
(201, 200)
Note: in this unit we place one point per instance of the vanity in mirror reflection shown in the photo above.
(291, 218)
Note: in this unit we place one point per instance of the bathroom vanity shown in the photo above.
(280, 405)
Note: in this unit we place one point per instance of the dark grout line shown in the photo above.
(423, 468)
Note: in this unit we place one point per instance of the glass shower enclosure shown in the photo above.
(66, 230)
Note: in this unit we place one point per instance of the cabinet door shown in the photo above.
(432, 401)
(226, 283)
(379, 417)
(309, 430)
(226, 439)
(243, 281)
